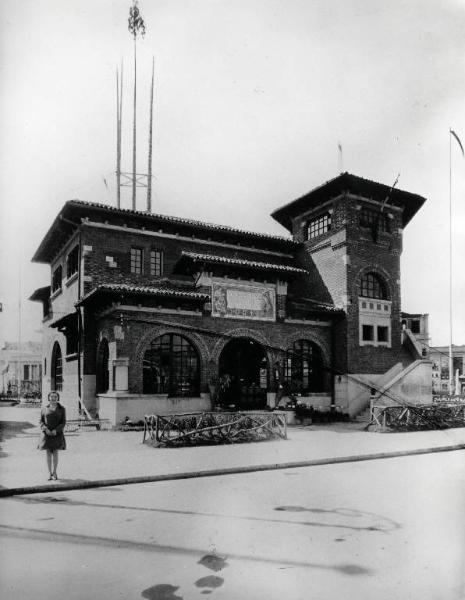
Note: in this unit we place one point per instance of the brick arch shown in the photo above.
(311, 337)
(241, 332)
(194, 338)
(377, 270)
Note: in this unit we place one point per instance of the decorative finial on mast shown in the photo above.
(136, 26)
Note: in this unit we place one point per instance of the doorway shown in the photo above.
(244, 366)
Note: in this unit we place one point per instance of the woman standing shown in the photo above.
(52, 424)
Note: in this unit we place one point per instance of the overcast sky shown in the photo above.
(251, 100)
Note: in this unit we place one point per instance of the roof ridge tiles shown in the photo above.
(182, 220)
(242, 261)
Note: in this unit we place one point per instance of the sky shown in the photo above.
(252, 98)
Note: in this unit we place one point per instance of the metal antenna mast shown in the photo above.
(149, 170)
(119, 111)
(136, 26)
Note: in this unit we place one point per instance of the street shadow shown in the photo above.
(384, 524)
(162, 591)
(124, 544)
(10, 429)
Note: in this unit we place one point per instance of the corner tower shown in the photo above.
(351, 233)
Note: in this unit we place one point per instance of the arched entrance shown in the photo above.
(243, 365)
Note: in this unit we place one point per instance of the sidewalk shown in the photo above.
(98, 455)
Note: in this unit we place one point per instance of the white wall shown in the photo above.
(116, 406)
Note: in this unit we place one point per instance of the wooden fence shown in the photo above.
(192, 429)
(421, 417)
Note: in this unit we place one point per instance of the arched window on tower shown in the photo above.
(56, 368)
(171, 366)
(372, 286)
(303, 368)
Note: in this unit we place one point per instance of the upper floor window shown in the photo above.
(318, 226)
(372, 286)
(136, 260)
(56, 279)
(72, 262)
(374, 219)
(156, 263)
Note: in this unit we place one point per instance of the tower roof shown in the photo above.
(348, 183)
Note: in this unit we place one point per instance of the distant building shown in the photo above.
(440, 357)
(147, 313)
(418, 324)
(21, 368)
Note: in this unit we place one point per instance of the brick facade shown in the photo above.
(314, 281)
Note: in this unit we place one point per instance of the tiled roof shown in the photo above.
(41, 294)
(182, 221)
(144, 290)
(240, 262)
(347, 182)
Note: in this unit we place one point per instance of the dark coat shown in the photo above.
(54, 420)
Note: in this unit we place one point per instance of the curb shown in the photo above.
(40, 489)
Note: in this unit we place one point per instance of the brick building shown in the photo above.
(150, 313)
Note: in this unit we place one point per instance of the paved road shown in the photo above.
(386, 529)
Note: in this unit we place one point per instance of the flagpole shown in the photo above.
(450, 263)
(119, 90)
(149, 175)
(134, 131)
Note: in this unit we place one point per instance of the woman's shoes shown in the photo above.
(54, 476)
(51, 477)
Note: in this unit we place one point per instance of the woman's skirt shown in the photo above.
(52, 442)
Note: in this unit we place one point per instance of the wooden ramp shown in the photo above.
(195, 429)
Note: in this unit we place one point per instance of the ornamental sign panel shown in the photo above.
(243, 301)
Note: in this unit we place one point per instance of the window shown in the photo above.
(303, 368)
(415, 326)
(156, 263)
(57, 368)
(371, 286)
(72, 262)
(26, 372)
(368, 333)
(56, 279)
(382, 333)
(318, 226)
(136, 260)
(171, 366)
(374, 219)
